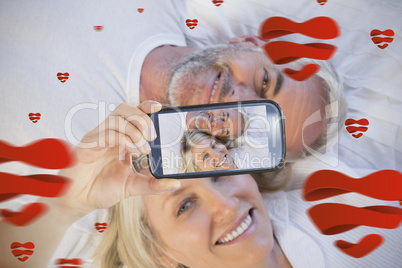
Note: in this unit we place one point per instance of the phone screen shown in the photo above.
(217, 139)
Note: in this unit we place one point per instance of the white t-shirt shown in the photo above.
(40, 40)
(371, 75)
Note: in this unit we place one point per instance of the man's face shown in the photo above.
(230, 74)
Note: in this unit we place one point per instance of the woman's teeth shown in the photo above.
(222, 161)
(239, 230)
(214, 89)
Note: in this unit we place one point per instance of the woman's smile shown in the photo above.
(240, 231)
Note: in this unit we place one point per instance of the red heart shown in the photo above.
(322, 2)
(18, 252)
(140, 10)
(28, 214)
(191, 23)
(63, 77)
(101, 226)
(34, 117)
(217, 2)
(96, 28)
(377, 39)
(353, 129)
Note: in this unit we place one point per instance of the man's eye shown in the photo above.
(220, 178)
(205, 157)
(265, 81)
(184, 206)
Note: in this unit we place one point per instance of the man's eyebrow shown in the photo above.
(279, 82)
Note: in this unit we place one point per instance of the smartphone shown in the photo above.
(217, 139)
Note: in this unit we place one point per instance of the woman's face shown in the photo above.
(210, 155)
(221, 123)
(213, 222)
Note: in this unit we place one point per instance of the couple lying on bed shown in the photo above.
(207, 222)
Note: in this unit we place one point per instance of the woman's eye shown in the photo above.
(205, 157)
(184, 206)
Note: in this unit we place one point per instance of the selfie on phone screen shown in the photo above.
(230, 137)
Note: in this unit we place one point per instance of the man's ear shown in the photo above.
(248, 40)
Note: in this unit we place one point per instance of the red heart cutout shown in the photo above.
(378, 39)
(28, 214)
(353, 129)
(217, 2)
(322, 2)
(98, 29)
(101, 226)
(140, 10)
(19, 252)
(63, 77)
(191, 23)
(34, 117)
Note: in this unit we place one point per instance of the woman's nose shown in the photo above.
(216, 156)
(224, 206)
